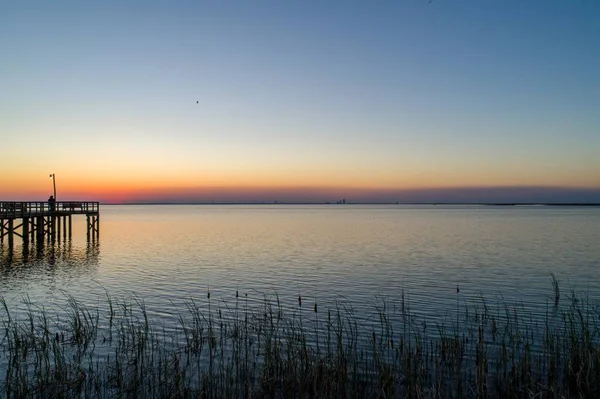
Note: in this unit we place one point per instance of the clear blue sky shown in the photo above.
(332, 97)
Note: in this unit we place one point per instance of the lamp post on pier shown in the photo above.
(53, 184)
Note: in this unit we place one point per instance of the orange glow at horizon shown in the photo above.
(130, 192)
(137, 184)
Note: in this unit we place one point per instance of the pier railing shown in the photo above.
(11, 210)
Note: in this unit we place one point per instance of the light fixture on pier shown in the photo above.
(53, 184)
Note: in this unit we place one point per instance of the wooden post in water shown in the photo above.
(54, 227)
(10, 232)
(39, 230)
(25, 231)
(39, 234)
(25, 251)
(49, 228)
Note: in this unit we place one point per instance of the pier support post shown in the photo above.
(25, 231)
(39, 230)
(53, 228)
(11, 232)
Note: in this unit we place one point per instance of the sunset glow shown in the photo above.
(304, 102)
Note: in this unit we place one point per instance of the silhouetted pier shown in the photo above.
(36, 221)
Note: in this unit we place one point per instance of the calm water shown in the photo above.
(167, 254)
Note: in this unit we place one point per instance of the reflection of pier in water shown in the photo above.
(39, 221)
(62, 253)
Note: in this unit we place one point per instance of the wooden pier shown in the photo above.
(38, 221)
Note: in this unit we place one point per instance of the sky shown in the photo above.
(199, 101)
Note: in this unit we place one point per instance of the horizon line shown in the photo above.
(357, 203)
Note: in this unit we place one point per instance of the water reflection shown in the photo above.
(48, 258)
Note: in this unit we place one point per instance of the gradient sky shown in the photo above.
(300, 100)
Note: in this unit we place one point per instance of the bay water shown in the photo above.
(428, 256)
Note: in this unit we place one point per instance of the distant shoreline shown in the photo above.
(503, 204)
(574, 204)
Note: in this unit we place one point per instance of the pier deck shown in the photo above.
(39, 220)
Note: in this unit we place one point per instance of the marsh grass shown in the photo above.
(555, 289)
(244, 349)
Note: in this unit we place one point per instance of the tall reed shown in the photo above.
(236, 348)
